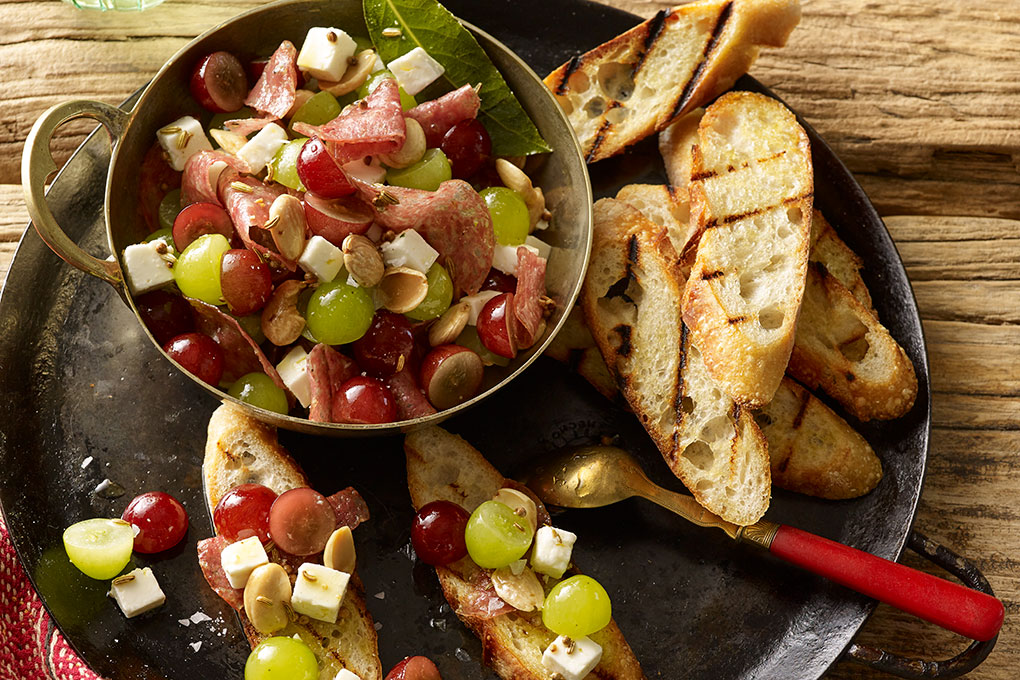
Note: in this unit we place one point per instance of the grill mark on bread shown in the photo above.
(730, 219)
(599, 137)
(655, 26)
(685, 95)
(709, 174)
(736, 319)
(671, 190)
(624, 331)
(805, 399)
(708, 276)
(572, 65)
(679, 398)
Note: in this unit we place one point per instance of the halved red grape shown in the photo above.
(219, 83)
(246, 280)
(414, 668)
(243, 512)
(199, 219)
(500, 281)
(319, 172)
(437, 534)
(301, 521)
(450, 375)
(335, 219)
(495, 326)
(467, 146)
(365, 401)
(166, 315)
(386, 346)
(161, 521)
(199, 354)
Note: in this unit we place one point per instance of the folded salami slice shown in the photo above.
(246, 126)
(453, 219)
(530, 287)
(411, 401)
(439, 115)
(155, 179)
(248, 200)
(328, 369)
(241, 354)
(483, 602)
(373, 125)
(210, 552)
(350, 508)
(202, 173)
(276, 89)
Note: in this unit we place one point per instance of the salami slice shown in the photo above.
(202, 173)
(350, 508)
(210, 552)
(155, 179)
(246, 126)
(530, 287)
(276, 89)
(453, 219)
(328, 369)
(241, 354)
(483, 602)
(411, 401)
(248, 200)
(439, 115)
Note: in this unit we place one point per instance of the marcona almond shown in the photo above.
(401, 289)
(287, 225)
(514, 178)
(354, 77)
(229, 141)
(339, 553)
(266, 596)
(450, 325)
(520, 503)
(362, 260)
(412, 150)
(522, 591)
(282, 323)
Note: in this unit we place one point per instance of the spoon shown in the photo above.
(594, 476)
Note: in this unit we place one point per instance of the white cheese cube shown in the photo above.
(572, 659)
(240, 559)
(378, 65)
(261, 148)
(326, 53)
(318, 592)
(321, 258)
(293, 370)
(543, 249)
(181, 140)
(416, 70)
(504, 258)
(374, 233)
(144, 267)
(137, 592)
(551, 553)
(345, 674)
(409, 249)
(476, 302)
(371, 171)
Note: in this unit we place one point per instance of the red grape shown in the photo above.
(161, 521)
(438, 533)
(467, 146)
(246, 281)
(199, 219)
(500, 281)
(364, 400)
(386, 346)
(319, 172)
(301, 521)
(495, 326)
(219, 83)
(199, 354)
(166, 315)
(335, 219)
(243, 512)
(415, 668)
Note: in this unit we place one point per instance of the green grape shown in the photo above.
(495, 536)
(432, 170)
(218, 119)
(407, 102)
(101, 548)
(258, 389)
(167, 235)
(509, 214)
(252, 325)
(197, 270)
(168, 208)
(281, 658)
(319, 110)
(439, 297)
(283, 167)
(469, 338)
(339, 313)
(577, 607)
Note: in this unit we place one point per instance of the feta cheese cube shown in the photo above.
(321, 258)
(326, 53)
(409, 249)
(144, 267)
(371, 171)
(318, 592)
(345, 674)
(293, 370)
(504, 258)
(137, 592)
(476, 302)
(261, 148)
(181, 140)
(551, 554)
(539, 245)
(572, 659)
(378, 65)
(416, 70)
(240, 559)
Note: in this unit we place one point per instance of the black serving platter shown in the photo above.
(82, 383)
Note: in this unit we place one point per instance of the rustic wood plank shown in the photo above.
(13, 220)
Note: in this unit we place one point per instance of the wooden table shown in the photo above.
(920, 98)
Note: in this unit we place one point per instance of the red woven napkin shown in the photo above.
(31, 647)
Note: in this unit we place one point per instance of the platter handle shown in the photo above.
(962, 663)
(36, 165)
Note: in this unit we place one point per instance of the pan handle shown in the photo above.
(921, 669)
(36, 165)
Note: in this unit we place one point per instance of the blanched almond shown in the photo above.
(401, 289)
(520, 503)
(354, 77)
(287, 225)
(339, 553)
(521, 591)
(449, 326)
(266, 598)
(231, 142)
(514, 178)
(412, 150)
(282, 323)
(362, 260)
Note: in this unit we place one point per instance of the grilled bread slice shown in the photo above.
(828, 249)
(675, 144)
(639, 82)
(242, 450)
(751, 195)
(669, 207)
(574, 346)
(442, 466)
(631, 303)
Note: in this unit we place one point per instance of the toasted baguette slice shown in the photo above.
(574, 346)
(675, 144)
(843, 349)
(442, 466)
(751, 194)
(242, 450)
(667, 206)
(631, 303)
(639, 82)
(828, 249)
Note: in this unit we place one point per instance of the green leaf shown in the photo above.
(429, 25)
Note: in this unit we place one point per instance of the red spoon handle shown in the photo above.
(968, 612)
